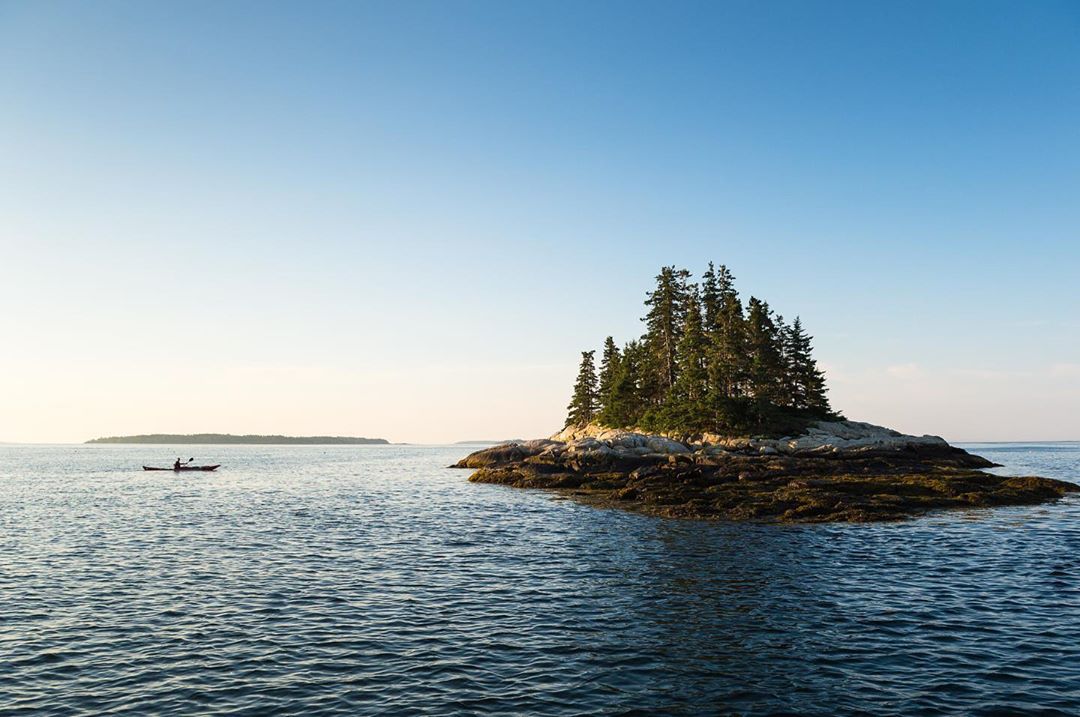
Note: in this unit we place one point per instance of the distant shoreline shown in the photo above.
(250, 439)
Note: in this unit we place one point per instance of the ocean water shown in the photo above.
(350, 580)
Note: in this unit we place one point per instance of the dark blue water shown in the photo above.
(371, 580)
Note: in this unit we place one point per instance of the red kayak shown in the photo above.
(184, 468)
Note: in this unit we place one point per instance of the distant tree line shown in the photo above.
(706, 363)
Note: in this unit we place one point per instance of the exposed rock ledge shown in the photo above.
(842, 470)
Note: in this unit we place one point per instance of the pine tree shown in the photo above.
(664, 323)
(727, 296)
(710, 301)
(704, 363)
(690, 354)
(806, 379)
(728, 366)
(791, 391)
(624, 405)
(763, 346)
(686, 402)
(582, 408)
(609, 368)
(816, 390)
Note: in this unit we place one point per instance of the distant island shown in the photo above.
(719, 411)
(226, 438)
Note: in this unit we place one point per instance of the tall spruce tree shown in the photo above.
(609, 368)
(728, 364)
(710, 301)
(807, 381)
(691, 353)
(583, 404)
(686, 402)
(625, 405)
(763, 346)
(663, 327)
(789, 385)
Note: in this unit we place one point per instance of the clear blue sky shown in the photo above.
(407, 219)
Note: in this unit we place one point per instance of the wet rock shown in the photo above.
(506, 453)
(840, 470)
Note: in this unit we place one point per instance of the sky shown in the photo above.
(407, 219)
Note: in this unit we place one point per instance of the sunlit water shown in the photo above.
(372, 580)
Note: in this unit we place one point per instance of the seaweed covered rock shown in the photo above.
(841, 470)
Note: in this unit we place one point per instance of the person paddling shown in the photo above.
(176, 466)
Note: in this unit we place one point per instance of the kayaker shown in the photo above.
(176, 466)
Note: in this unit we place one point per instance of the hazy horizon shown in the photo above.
(406, 220)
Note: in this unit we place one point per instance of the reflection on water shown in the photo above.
(370, 580)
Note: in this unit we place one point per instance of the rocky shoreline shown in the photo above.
(835, 471)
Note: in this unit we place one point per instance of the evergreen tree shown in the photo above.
(816, 390)
(704, 363)
(807, 381)
(727, 296)
(766, 367)
(691, 352)
(582, 408)
(624, 405)
(664, 324)
(789, 385)
(686, 402)
(728, 363)
(609, 368)
(710, 300)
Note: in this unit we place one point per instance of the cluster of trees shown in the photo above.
(706, 363)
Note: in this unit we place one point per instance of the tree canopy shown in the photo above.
(706, 363)
(584, 403)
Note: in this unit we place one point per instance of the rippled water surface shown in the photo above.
(372, 580)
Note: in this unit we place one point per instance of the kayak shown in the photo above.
(184, 468)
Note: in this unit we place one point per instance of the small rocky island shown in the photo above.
(719, 411)
(836, 471)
